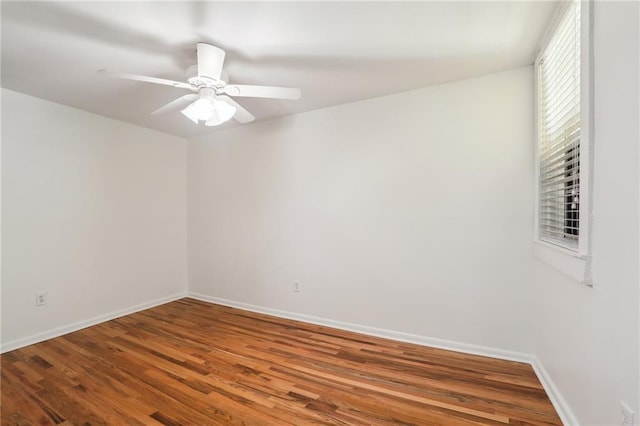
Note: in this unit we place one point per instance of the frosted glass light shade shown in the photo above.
(201, 109)
(214, 120)
(225, 110)
(210, 110)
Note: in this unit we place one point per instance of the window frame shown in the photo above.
(574, 263)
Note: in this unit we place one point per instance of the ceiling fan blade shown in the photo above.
(262, 91)
(176, 104)
(145, 79)
(210, 60)
(241, 115)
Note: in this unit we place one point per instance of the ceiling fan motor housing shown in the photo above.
(199, 82)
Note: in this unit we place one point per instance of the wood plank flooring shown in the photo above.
(194, 363)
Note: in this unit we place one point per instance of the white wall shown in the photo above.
(410, 212)
(588, 338)
(94, 213)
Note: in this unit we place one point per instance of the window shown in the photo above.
(564, 147)
(559, 133)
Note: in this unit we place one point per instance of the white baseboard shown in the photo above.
(565, 413)
(374, 331)
(57, 332)
(558, 401)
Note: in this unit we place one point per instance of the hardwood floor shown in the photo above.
(195, 363)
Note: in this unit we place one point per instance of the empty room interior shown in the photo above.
(347, 213)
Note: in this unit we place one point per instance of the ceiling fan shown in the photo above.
(211, 102)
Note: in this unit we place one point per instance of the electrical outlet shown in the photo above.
(296, 286)
(626, 415)
(41, 298)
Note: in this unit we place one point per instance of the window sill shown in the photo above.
(573, 265)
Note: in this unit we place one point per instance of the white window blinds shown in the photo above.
(559, 133)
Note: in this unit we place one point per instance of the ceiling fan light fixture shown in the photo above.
(209, 109)
(225, 111)
(214, 120)
(200, 110)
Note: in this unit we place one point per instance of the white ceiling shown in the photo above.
(335, 52)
